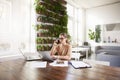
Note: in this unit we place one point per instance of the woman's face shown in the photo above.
(62, 39)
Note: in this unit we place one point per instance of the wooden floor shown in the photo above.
(21, 70)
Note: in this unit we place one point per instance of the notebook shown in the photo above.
(79, 64)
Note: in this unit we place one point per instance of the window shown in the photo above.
(75, 27)
(14, 26)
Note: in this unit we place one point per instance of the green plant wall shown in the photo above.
(52, 20)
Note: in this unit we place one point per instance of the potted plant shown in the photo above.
(37, 40)
(38, 47)
(40, 9)
(91, 34)
(98, 32)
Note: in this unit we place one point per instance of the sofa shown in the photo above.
(108, 53)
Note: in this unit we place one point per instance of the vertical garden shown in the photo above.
(52, 20)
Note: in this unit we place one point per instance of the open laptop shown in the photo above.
(37, 56)
(46, 56)
(31, 56)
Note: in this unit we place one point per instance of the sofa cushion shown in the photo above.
(114, 52)
(110, 47)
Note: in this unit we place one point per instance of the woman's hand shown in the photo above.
(54, 57)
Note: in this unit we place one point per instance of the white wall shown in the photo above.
(102, 15)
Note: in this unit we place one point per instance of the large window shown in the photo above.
(14, 26)
(75, 28)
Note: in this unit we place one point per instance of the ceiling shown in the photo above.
(93, 3)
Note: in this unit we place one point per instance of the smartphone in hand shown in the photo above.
(57, 41)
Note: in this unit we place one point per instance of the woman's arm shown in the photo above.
(53, 49)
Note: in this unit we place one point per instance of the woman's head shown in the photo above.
(63, 37)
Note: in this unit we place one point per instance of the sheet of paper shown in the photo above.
(65, 64)
(79, 64)
(38, 64)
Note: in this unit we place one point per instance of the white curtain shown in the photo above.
(15, 24)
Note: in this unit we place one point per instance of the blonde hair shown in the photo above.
(66, 36)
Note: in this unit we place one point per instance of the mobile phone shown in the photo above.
(57, 41)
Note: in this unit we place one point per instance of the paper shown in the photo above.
(38, 64)
(79, 64)
(64, 64)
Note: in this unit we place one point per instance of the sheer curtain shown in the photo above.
(75, 24)
(15, 25)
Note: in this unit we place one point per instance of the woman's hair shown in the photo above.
(66, 36)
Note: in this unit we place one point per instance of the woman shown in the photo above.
(61, 48)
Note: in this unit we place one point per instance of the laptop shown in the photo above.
(46, 56)
(31, 56)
